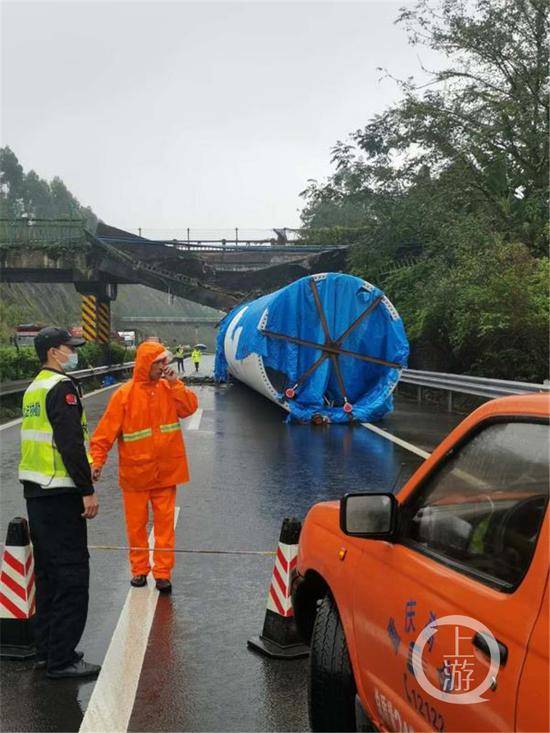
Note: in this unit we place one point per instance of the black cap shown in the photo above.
(53, 336)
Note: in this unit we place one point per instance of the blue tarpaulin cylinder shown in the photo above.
(327, 347)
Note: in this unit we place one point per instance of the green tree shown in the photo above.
(10, 316)
(486, 111)
(37, 197)
(28, 195)
(64, 204)
(11, 184)
(444, 194)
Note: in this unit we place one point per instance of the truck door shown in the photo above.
(473, 544)
(533, 708)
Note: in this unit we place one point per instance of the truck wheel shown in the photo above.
(331, 684)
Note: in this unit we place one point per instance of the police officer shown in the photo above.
(56, 476)
(196, 358)
(180, 354)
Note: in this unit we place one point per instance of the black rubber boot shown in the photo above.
(138, 581)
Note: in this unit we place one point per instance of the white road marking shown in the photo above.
(10, 424)
(193, 422)
(398, 441)
(114, 695)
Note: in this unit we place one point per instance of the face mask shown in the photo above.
(71, 363)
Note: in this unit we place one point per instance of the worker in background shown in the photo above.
(57, 483)
(143, 416)
(180, 354)
(196, 358)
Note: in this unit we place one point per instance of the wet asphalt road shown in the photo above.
(249, 470)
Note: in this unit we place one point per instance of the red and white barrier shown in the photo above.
(17, 589)
(279, 637)
(279, 600)
(17, 593)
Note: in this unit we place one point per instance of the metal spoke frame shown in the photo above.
(331, 348)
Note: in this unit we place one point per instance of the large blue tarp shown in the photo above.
(292, 311)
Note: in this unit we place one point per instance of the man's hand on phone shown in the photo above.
(170, 375)
(91, 506)
(96, 473)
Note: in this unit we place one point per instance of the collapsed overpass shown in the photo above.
(219, 277)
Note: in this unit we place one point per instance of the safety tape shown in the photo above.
(263, 553)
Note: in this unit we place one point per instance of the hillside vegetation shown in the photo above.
(27, 195)
(445, 193)
(59, 304)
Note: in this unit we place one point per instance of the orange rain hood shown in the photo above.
(143, 416)
(146, 354)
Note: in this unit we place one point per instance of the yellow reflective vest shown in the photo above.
(41, 462)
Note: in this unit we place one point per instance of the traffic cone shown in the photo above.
(279, 638)
(17, 593)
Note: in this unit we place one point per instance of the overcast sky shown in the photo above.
(203, 115)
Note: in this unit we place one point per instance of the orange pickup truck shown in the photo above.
(428, 610)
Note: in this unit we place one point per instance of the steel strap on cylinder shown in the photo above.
(331, 348)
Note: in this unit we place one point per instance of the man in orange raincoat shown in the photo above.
(142, 416)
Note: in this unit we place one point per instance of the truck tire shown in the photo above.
(331, 683)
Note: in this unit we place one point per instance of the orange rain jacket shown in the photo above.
(143, 416)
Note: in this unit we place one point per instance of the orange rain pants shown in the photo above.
(136, 509)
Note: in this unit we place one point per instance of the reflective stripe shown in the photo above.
(45, 480)
(170, 427)
(46, 383)
(38, 436)
(138, 435)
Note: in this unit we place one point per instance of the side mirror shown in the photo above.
(368, 515)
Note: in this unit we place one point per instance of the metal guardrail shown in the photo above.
(465, 384)
(21, 385)
(180, 320)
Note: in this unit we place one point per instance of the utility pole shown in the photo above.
(139, 230)
(236, 235)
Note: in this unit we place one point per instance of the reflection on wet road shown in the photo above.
(249, 470)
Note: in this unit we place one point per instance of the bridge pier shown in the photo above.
(96, 309)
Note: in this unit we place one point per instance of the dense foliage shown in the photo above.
(27, 195)
(444, 195)
(22, 363)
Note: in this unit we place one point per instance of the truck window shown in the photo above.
(483, 509)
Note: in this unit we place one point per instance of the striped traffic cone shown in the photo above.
(17, 593)
(279, 637)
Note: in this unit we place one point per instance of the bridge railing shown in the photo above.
(43, 231)
(222, 245)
